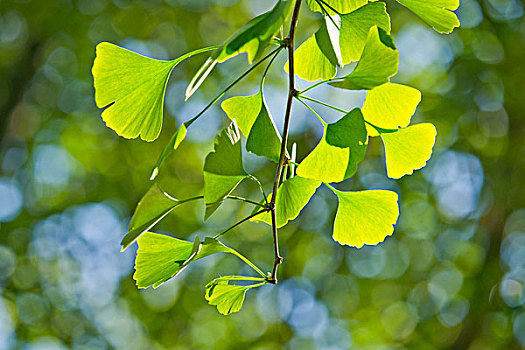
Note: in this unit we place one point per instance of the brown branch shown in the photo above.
(282, 159)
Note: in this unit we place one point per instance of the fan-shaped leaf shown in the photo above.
(365, 217)
(408, 149)
(437, 13)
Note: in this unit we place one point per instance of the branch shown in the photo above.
(291, 93)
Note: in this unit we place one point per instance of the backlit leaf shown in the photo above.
(152, 208)
(292, 197)
(174, 143)
(228, 298)
(318, 57)
(408, 149)
(437, 13)
(342, 6)
(223, 168)
(251, 39)
(337, 155)
(365, 217)
(131, 88)
(255, 122)
(355, 27)
(379, 61)
(390, 106)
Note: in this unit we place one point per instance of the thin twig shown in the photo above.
(240, 222)
(291, 93)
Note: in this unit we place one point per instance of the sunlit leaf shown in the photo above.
(355, 27)
(377, 64)
(408, 149)
(228, 298)
(437, 13)
(292, 197)
(255, 122)
(365, 217)
(337, 155)
(162, 257)
(251, 39)
(390, 106)
(131, 88)
(223, 168)
(152, 208)
(174, 143)
(318, 57)
(341, 6)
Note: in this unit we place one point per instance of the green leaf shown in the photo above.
(223, 168)
(365, 217)
(162, 257)
(131, 88)
(390, 106)
(408, 149)
(355, 27)
(318, 57)
(251, 39)
(227, 297)
(174, 143)
(342, 6)
(255, 122)
(292, 197)
(152, 208)
(437, 13)
(337, 155)
(378, 63)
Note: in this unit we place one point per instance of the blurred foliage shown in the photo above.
(452, 276)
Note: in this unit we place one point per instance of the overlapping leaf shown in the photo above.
(152, 208)
(131, 88)
(292, 197)
(162, 257)
(174, 143)
(228, 298)
(255, 122)
(355, 27)
(337, 155)
(390, 106)
(318, 57)
(251, 39)
(437, 13)
(365, 217)
(341, 6)
(223, 168)
(408, 149)
(379, 61)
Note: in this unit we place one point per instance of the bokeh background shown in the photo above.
(451, 277)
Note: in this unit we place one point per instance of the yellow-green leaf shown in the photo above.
(408, 149)
(131, 88)
(365, 217)
(379, 61)
(341, 6)
(228, 298)
(437, 13)
(355, 27)
(390, 106)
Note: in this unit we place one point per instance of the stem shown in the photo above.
(240, 222)
(291, 93)
(260, 188)
(327, 5)
(274, 52)
(246, 200)
(312, 110)
(317, 84)
(324, 104)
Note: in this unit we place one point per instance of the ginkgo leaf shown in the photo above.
(341, 6)
(379, 61)
(337, 155)
(255, 122)
(131, 88)
(174, 143)
(251, 39)
(355, 27)
(228, 298)
(152, 208)
(318, 57)
(292, 197)
(223, 168)
(390, 106)
(437, 13)
(408, 149)
(161, 257)
(365, 217)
